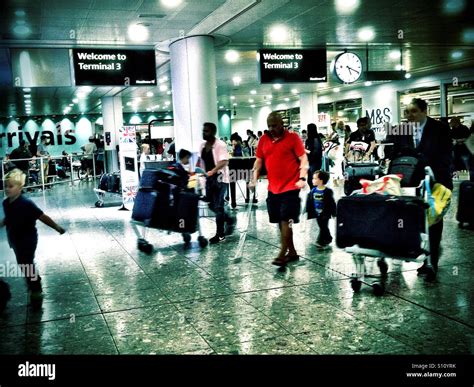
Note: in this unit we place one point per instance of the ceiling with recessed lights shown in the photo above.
(386, 35)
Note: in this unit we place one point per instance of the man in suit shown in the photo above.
(433, 145)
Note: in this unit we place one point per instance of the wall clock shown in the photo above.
(347, 67)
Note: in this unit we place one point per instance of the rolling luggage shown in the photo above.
(144, 205)
(465, 212)
(411, 169)
(152, 177)
(356, 171)
(391, 224)
(187, 212)
(110, 182)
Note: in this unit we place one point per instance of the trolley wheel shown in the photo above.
(203, 242)
(186, 238)
(383, 267)
(99, 204)
(378, 289)
(144, 246)
(356, 285)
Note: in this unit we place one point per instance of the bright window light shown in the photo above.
(171, 3)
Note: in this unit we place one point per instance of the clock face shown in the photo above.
(348, 67)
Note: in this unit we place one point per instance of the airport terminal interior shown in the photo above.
(113, 90)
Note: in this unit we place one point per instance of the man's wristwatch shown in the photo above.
(303, 178)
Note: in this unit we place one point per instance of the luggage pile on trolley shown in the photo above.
(109, 185)
(164, 203)
(386, 225)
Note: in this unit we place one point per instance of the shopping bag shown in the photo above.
(439, 200)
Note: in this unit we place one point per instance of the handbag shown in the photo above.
(385, 185)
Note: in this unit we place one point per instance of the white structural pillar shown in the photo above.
(113, 120)
(193, 79)
(308, 109)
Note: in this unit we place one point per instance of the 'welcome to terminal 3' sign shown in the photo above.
(293, 66)
(98, 67)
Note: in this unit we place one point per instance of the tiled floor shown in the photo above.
(103, 296)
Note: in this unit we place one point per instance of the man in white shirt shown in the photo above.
(90, 149)
(215, 161)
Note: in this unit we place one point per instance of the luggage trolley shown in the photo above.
(109, 185)
(359, 253)
(163, 206)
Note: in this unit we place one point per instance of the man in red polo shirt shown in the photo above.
(287, 166)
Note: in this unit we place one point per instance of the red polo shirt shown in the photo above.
(281, 160)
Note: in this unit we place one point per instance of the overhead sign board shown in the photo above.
(98, 67)
(291, 66)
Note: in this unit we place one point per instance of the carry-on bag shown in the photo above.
(391, 224)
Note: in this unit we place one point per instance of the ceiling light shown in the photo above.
(251, 100)
(279, 34)
(294, 91)
(168, 92)
(269, 96)
(148, 109)
(236, 80)
(137, 100)
(269, 103)
(366, 34)
(399, 67)
(137, 33)
(81, 94)
(75, 100)
(253, 92)
(149, 94)
(457, 54)
(452, 7)
(163, 79)
(287, 99)
(368, 83)
(163, 87)
(346, 7)
(171, 3)
(252, 106)
(232, 56)
(86, 89)
(26, 89)
(27, 96)
(22, 30)
(167, 103)
(395, 54)
(234, 104)
(468, 35)
(337, 90)
(232, 97)
(407, 75)
(221, 107)
(277, 86)
(71, 104)
(20, 13)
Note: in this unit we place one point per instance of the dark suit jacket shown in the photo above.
(435, 150)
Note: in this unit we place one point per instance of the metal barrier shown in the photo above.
(38, 176)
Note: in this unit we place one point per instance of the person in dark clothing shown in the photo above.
(184, 156)
(322, 206)
(314, 150)
(460, 133)
(21, 215)
(216, 163)
(22, 152)
(433, 147)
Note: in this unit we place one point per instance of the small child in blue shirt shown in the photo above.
(21, 215)
(322, 206)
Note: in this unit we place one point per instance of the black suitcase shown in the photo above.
(355, 171)
(187, 212)
(391, 224)
(411, 168)
(110, 182)
(151, 178)
(465, 212)
(144, 205)
(5, 295)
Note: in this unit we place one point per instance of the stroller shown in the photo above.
(164, 203)
(385, 226)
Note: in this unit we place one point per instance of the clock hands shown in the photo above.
(351, 69)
